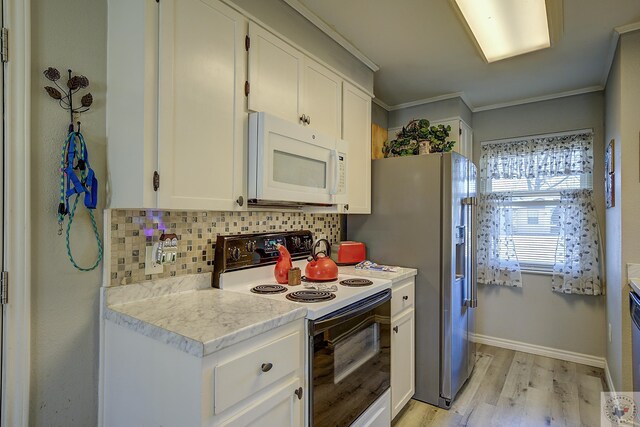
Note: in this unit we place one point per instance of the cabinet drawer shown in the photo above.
(402, 296)
(243, 376)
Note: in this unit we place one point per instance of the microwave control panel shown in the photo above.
(342, 174)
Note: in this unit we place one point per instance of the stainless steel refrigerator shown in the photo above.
(423, 216)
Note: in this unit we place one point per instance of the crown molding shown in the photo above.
(379, 102)
(548, 97)
(329, 31)
(428, 101)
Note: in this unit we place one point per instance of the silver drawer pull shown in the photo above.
(266, 367)
(395, 329)
(406, 297)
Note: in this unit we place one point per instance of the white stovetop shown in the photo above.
(242, 282)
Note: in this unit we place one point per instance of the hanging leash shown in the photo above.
(75, 157)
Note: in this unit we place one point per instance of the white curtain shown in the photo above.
(578, 255)
(497, 259)
(577, 266)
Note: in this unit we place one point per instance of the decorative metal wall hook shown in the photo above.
(65, 96)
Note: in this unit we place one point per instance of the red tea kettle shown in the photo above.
(320, 266)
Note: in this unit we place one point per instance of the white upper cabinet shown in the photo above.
(322, 98)
(201, 105)
(286, 83)
(188, 125)
(275, 74)
(356, 131)
(180, 85)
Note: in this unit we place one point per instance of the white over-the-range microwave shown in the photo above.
(293, 165)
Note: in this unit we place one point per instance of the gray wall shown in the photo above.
(623, 221)
(433, 111)
(379, 116)
(535, 314)
(64, 307)
(613, 259)
(282, 18)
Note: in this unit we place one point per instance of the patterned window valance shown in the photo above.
(542, 156)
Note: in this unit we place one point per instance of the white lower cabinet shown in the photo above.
(281, 408)
(257, 382)
(402, 345)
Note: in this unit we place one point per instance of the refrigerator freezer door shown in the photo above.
(456, 257)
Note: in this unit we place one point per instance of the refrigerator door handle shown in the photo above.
(473, 282)
(471, 299)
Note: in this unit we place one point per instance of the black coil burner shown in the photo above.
(356, 282)
(268, 289)
(310, 296)
(307, 280)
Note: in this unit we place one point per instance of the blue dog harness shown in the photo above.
(76, 158)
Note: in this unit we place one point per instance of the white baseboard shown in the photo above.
(569, 356)
(607, 375)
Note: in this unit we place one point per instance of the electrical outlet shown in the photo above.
(150, 265)
(609, 332)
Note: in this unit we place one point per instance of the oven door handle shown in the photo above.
(366, 305)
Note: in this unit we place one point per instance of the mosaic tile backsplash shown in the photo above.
(133, 230)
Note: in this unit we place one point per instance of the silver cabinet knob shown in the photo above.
(395, 329)
(405, 297)
(266, 367)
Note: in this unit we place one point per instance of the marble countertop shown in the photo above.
(202, 321)
(634, 282)
(396, 276)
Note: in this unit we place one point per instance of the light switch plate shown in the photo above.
(150, 266)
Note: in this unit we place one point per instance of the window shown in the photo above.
(535, 216)
(536, 212)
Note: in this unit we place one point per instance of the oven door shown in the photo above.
(292, 163)
(350, 360)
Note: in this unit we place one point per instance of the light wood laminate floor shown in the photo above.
(510, 388)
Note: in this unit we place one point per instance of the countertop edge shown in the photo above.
(634, 283)
(251, 331)
(195, 347)
(173, 339)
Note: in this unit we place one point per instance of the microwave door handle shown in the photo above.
(336, 176)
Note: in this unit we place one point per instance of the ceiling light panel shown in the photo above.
(506, 28)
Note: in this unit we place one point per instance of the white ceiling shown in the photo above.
(424, 51)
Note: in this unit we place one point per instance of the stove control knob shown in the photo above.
(235, 254)
(296, 241)
(250, 246)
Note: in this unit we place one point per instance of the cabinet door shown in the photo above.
(322, 96)
(402, 360)
(281, 408)
(201, 105)
(356, 131)
(275, 75)
(466, 140)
